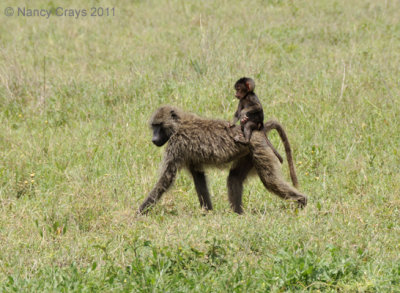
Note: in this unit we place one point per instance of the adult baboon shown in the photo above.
(194, 142)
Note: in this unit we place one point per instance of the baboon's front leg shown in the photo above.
(167, 177)
(200, 183)
(237, 175)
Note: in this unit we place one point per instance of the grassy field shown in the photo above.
(76, 158)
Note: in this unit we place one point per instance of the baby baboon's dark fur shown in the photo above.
(249, 111)
(194, 142)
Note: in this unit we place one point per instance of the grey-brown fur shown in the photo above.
(194, 142)
(273, 124)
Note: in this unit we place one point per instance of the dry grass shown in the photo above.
(76, 159)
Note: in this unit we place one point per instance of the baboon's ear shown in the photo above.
(174, 115)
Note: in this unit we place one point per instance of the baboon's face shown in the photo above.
(160, 136)
(244, 86)
(164, 123)
(241, 91)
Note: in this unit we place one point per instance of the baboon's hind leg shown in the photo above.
(237, 175)
(268, 169)
(278, 186)
(200, 182)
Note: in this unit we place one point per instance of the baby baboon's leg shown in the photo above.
(166, 179)
(249, 126)
(237, 175)
(268, 169)
(200, 183)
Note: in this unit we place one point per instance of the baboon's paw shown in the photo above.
(302, 202)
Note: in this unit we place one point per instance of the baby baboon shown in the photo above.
(249, 111)
(195, 142)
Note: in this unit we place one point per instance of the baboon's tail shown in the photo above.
(273, 124)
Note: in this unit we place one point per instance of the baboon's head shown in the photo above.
(244, 86)
(164, 123)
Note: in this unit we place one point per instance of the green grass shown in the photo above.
(76, 158)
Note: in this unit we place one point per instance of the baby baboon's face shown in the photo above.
(241, 91)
